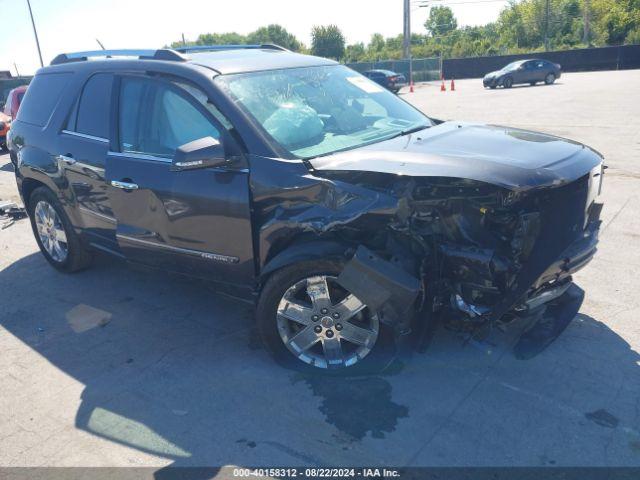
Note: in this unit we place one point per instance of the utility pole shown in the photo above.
(16, 66)
(406, 44)
(184, 42)
(587, 22)
(35, 33)
(546, 28)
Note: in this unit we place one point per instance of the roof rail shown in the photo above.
(216, 48)
(161, 54)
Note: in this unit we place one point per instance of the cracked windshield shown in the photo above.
(320, 110)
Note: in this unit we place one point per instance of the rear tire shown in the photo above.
(273, 326)
(66, 251)
(549, 79)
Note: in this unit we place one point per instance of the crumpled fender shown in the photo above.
(311, 250)
(290, 204)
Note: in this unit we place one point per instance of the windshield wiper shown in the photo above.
(411, 130)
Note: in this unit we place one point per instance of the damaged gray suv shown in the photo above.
(350, 218)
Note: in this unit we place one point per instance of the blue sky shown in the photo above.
(73, 25)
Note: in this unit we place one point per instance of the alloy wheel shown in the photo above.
(51, 231)
(324, 325)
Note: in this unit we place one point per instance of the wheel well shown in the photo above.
(28, 186)
(310, 250)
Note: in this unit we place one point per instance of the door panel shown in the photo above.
(82, 152)
(83, 161)
(524, 75)
(195, 222)
(542, 70)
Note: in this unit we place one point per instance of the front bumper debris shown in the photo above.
(383, 287)
(549, 321)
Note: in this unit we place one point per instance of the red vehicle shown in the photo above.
(14, 99)
(5, 123)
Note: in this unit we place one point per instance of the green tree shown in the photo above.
(615, 19)
(327, 41)
(355, 52)
(275, 34)
(377, 43)
(441, 21)
(229, 38)
(520, 28)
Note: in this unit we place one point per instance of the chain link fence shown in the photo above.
(424, 69)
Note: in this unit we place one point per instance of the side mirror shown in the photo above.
(202, 153)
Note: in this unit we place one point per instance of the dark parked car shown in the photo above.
(350, 218)
(390, 80)
(524, 71)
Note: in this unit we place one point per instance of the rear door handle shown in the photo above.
(69, 160)
(124, 185)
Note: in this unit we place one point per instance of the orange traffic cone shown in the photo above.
(411, 87)
(443, 88)
(453, 85)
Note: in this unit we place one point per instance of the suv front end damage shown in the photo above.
(472, 247)
(489, 257)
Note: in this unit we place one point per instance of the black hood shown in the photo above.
(507, 157)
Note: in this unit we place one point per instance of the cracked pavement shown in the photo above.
(172, 375)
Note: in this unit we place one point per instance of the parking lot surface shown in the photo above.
(116, 366)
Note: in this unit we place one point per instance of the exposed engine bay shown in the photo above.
(482, 256)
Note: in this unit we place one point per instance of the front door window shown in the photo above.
(156, 118)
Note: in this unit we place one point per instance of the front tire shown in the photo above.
(56, 237)
(507, 82)
(308, 322)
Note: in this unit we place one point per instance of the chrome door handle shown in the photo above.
(67, 160)
(124, 185)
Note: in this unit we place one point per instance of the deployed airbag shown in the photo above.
(294, 125)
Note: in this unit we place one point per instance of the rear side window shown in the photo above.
(94, 106)
(41, 97)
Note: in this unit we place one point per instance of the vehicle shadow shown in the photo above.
(524, 85)
(172, 370)
(7, 167)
